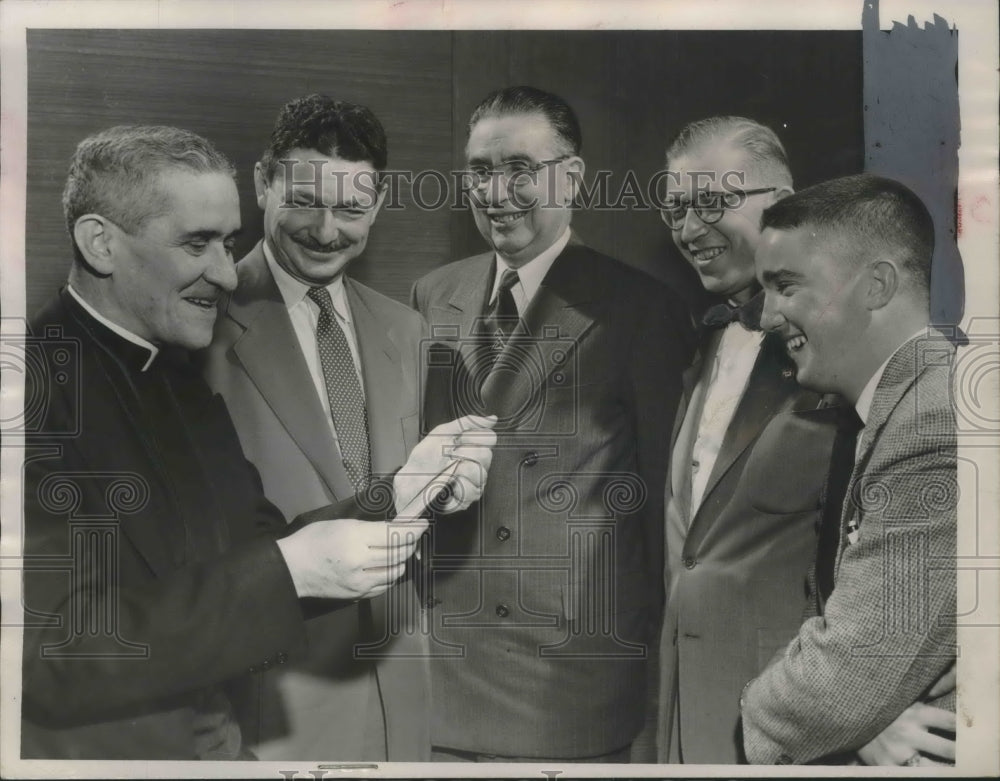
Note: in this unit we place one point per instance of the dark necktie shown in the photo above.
(501, 317)
(347, 404)
(841, 467)
(747, 315)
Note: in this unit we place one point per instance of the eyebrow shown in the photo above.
(774, 277)
(207, 234)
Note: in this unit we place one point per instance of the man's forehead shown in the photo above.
(711, 161)
(197, 201)
(512, 135)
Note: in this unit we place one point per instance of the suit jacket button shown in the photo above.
(689, 562)
(282, 658)
(530, 459)
(502, 610)
(252, 669)
(503, 533)
(265, 665)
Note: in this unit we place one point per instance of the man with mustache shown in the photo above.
(158, 577)
(845, 267)
(322, 376)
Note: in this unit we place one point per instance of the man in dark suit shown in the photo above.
(154, 579)
(546, 593)
(319, 189)
(736, 566)
(845, 267)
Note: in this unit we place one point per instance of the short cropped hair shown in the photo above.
(763, 147)
(873, 215)
(334, 128)
(114, 173)
(531, 100)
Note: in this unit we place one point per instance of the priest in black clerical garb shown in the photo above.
(158, 578)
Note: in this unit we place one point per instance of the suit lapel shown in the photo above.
(272, 357)
(532, 352)
(900, 373)
(381, 370)
(771, 382)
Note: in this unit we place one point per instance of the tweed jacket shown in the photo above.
(887, 631)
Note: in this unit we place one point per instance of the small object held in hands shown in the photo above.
(426, 498)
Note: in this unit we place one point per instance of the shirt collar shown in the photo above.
(293, 291)
(124, 333)
(533, 272)
(864, 403)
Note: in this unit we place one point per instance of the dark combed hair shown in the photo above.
(761, 144)
(875, 215)
(114, 173)
(531, 100)
(334, 128)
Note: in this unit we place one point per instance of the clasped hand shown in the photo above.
(351, 559)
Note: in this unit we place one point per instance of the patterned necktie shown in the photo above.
(841, 467)
(501, 318)
(347, 404)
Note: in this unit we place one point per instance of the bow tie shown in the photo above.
(748, 315)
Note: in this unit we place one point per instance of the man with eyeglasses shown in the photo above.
(736, 564)
(322, 377)
(545, 595)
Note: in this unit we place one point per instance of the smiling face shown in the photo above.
(722, 253)
(315, 232)
(523, 217)
(168, 275)
(814, 299)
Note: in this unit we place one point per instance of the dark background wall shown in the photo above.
(632, 90)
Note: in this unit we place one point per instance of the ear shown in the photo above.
(94, 237)
(883, 281)
(575, 168)
(782, 192)
(260, 184)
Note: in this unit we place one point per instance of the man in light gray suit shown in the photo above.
(296, 339)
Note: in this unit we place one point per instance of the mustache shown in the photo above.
(311, 244)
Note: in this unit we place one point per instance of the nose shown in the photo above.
(221, 270)
(771, 318)
(692, 227)
(495, 191)
(324, 228)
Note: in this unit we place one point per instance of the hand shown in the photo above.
(470, 441)
(909, 737)
(348, 559)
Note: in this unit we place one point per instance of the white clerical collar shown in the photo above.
(864, 403)
(122, 332)
(293, 291)
(533, 272)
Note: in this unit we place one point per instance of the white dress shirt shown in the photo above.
(530, 275)
(304, 314)
(734, 362)
(122, 332)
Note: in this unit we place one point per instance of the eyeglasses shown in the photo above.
(516, 173)
(709, 205)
